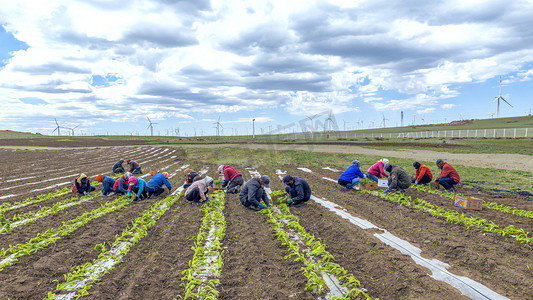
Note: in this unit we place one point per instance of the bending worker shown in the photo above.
(350, 177)
(253, 192)
(399, 179)
(82, 185)
(298, 189)
(448, 177)
(121, 185)
(154, 186)
(423, 174)
(135, 168)
(231, 176)
(198, 190)
(377, 170)
(107, 184)
(118, 168)
(189, 177)
(137, 186)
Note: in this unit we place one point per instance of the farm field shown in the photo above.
(343, 243)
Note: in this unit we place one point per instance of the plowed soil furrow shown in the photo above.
(45, 268)
(50, 202)
(254, 267)
(58, 160)
(91, 170)
(500, 218)
(152, 269)
(500, 263)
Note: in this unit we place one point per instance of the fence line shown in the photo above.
(453, 133)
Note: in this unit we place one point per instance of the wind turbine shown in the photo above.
(384, 119)
(218, 126)
(329, 122)
(151, 126)
(57, 128)
(72, 129)
(311, 120)
(500, 98)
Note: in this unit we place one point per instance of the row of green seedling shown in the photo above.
(32, 216)
(42, 240)
(6, 206)
(78, 283)
(453, 216)
(201, 278)
(318, 259)
(491, 205)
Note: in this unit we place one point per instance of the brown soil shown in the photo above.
(71, 142)
(501, 263)
(254, 263)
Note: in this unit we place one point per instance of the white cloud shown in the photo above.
(306, 57)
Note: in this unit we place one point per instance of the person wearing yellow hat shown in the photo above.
(82, 185)
(107, 184)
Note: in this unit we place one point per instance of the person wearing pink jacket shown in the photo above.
(377, 170)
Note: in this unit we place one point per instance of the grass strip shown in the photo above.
(201, 278)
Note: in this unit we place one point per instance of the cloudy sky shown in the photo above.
(105, 66)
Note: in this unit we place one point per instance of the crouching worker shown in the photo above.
(231, 176)
(189, 178)
(351, 177)
(138, 187)
(107, 184)
(198, 190)
(377, 170)
(399, 179)
(253, 192)
(82, 185)
(118, 168)
(154, 186)
(135, 168)
(121, 185)
(448, 177)
(298, 190)
(423, 174)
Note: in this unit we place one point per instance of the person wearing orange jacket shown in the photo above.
(448, 176)
(423, 174)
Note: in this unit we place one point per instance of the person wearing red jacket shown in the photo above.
(232, 179)
(423, 174)
(448, 176)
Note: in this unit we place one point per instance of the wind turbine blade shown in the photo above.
(55, 129)
(507, 102)
(149, 120)
(56, 122)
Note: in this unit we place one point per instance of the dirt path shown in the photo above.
(498, 161)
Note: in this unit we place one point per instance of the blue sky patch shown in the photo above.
(8, 44)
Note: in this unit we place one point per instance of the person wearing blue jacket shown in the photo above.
(107, 183)
(351, 177)
(154, 186)
(137, 186)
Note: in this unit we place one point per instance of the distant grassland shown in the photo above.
(453, 144)
(518, 182)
